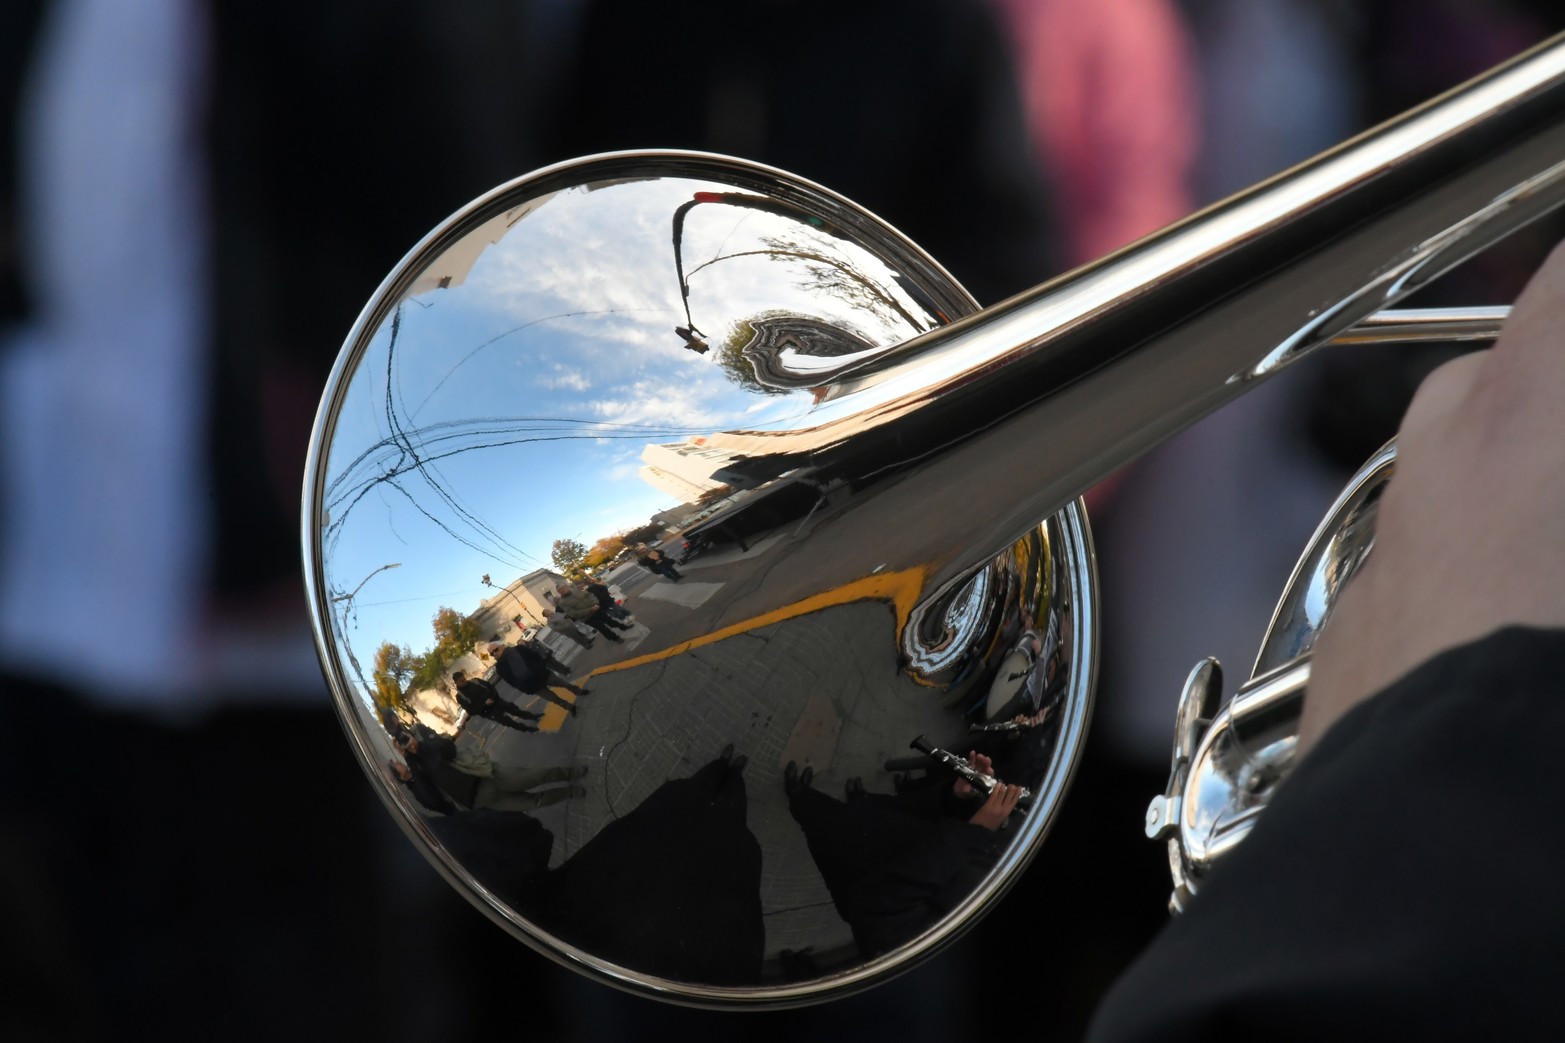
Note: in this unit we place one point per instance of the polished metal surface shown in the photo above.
(1227, 763)
(1428, 326)
(649, 342)
(1115, 357)
(730, 363)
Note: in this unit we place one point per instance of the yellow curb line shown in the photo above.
(900, 588)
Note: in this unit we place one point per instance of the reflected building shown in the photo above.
(434, 708)
(457, 261)
(526, 597)
(685, 470)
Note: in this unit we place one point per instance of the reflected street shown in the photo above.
(626, 562)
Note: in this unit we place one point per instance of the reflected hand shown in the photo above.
(981, 764)
(998, 808)
(1467, 539)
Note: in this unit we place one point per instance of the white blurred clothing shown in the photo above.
(101, 396)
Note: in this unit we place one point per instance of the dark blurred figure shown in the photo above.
(19, 23)
(529, 669)
(195, 201)
(671, 888)
(907, 107)
(339, 135)
(1110, 96)
(480, 699)
(896, 864)
(1409, 52)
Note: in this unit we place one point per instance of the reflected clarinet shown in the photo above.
(1008, 726)
(963, 767)
(1003, 726)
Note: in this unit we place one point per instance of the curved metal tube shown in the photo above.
(1227, 763)
(1110, 360)
(1428, 326)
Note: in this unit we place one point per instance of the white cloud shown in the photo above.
(566, 380)
(580, 300)
(691, 404)
(623, 472)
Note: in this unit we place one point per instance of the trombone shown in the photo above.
(868, 442)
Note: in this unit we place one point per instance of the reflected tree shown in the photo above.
(455, 635)
(750, 355)
(835, 277)
(395, 667)
(603, 552)
(712, 496)
(737, 366)
(642, 534)
(567, 556)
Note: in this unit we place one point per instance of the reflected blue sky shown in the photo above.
(507, 401)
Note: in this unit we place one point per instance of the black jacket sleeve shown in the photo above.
(1403, 884)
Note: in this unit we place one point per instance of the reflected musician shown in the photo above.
(976, 773)
(895, 864)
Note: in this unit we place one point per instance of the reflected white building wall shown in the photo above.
(435, 709)
(684, 469)
(528, 597)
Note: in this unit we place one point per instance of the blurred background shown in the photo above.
(196, 199)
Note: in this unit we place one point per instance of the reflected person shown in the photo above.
(507, 851)
(894, 865)
(475, 781)
(654, 560)
(482, 699)
(1024, 752)
(527, 670)
(563, 625)
(584, 609)
(598, 589)
(672, 888)
(422, 788)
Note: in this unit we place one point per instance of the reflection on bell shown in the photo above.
(697, 568)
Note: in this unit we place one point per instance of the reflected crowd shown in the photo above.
(694, 876)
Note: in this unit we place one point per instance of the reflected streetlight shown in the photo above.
(366, 579)
(691, 336)
(486, 581)
(346, 601)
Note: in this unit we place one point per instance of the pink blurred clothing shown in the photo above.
(1112, 108)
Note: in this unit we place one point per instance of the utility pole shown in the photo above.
(346, 601)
